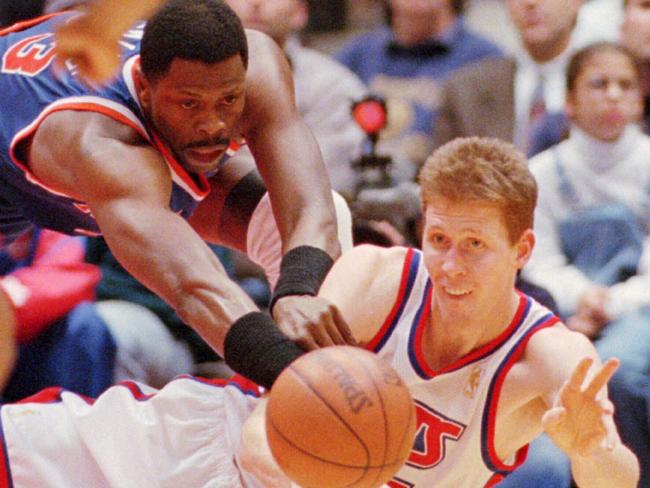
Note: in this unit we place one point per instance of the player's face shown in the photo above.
(196, 108)
(471, 260)
(635, 31)
(276, 18)
(543, 22)
(606, 97)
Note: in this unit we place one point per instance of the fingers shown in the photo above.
(343, 328)
(602, 377)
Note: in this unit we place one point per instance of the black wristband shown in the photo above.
(302, 271)
(257, 349)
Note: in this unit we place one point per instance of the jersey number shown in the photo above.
(30, 56)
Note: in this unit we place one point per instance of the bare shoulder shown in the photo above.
(82, 153)
(363, 284)
(553, 353)
(269, 83)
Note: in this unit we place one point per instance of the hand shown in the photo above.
(92, 49)
(593, 303)
(311, 322)
(8, 347)
(585, 324)
(581, 418)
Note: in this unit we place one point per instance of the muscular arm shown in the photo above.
(286, 152)
(127, 187)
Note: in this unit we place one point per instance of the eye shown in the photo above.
(230, 99)
(598, 83)
(437, 239)
(189, 104)
(627, 85)
(476, 244)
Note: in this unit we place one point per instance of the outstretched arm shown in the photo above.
(577, 413)
(290, 163)
(127, 187)
(91, 40)
(581, 423)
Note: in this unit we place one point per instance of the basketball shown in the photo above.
(340, 417)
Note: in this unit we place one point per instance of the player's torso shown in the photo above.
(457, 406)
(31, 89)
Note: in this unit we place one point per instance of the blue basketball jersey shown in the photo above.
(31, 89)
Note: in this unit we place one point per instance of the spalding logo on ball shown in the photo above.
(340, 417)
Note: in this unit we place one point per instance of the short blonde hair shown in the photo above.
(487, 170)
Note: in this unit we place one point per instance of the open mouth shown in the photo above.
(456, 292)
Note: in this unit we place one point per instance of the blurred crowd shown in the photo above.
(382, 83)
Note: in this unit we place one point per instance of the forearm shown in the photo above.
(606, 469)
(166, 255)
(305, 215)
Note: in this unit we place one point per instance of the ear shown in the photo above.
(300, 16)
(524, 247)
(142, 88)
(570, 106)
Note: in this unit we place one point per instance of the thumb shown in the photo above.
(553, 417)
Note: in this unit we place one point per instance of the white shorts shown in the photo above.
(133, 436)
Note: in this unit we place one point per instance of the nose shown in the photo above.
(211, 126)
(614, 91)
(452, 263)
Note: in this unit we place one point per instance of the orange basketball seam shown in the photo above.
(328, 461)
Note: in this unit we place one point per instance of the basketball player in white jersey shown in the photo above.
(489, 368)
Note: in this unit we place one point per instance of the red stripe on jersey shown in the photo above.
(497, 385)
(474, 355)
(28, 132)
(398, 302)
(5, 469)
(26, 24)
(52, 395)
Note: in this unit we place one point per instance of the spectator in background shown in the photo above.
(504, 97)
(593, 217)
(406, 62)
(635, 35)
(56, 332)
(325, 89)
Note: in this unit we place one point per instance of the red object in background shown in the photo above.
(370, 114)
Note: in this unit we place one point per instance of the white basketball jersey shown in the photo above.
(456, 406)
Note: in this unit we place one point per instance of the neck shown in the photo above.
(411, 31)
(547, 52)
(446, 340)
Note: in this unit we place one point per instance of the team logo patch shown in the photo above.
(30, 56)
(434, 430)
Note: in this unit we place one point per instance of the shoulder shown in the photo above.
(553, 353)
(360, 44)
(482, 72)
(364, 284)
(477, 44)
(367, 263)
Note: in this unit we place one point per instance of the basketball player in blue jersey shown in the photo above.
(488, 367)
(145, 160)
